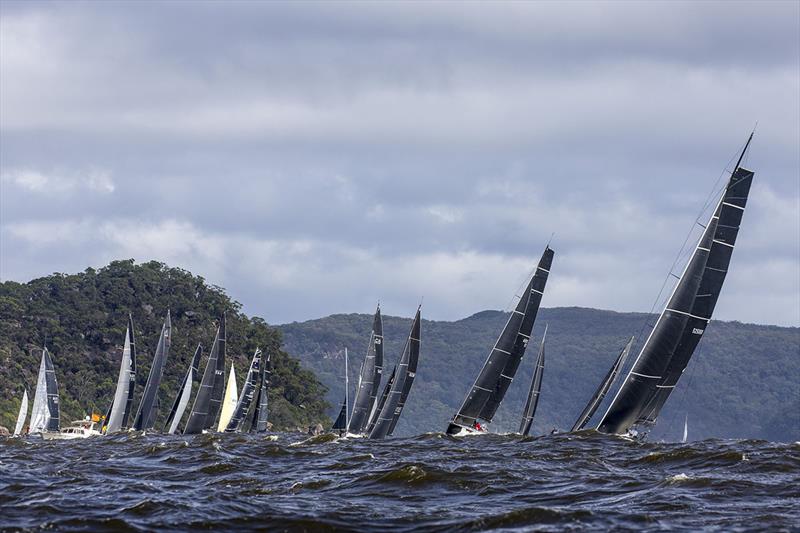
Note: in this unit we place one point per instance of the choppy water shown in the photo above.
(428, 483)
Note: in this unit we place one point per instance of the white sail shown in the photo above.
(229, 402)
(40, 413)
(183, 402)
(114, 422)
(685, 428)
(23, 414)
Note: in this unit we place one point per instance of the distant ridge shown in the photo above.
(741, 382)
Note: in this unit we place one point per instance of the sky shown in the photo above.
(316, 158)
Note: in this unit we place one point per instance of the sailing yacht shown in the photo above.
(209, 396)
(45, 413)
(118, 413)
(684, 319)
(491, 385)
(148, 406)
(369, 381)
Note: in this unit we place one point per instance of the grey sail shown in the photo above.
(369, 380)
(260, 413)
(533, 393)
(602, 390)
(53, 422)
(117, 417)
(146, 415)
(666, 352)
(404, 373)
(203, 414)
(411, 371)
(381, 402)
(184, 392)
(39, 411)
(247, 395)
(498, 371)
(340, 424)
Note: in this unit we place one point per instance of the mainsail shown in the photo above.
(53, 421)
(602, 390)
(209, 395)
(23, 414)
(146, 415)
(500, 367)
(229, 402)
(666, 352)
(533, 393)
(117, 418)
(259, 423)
(403, 378)
(369, 381)
(246, 398)
(184, 392)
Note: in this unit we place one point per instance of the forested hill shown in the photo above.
(83, 319)
(741, 382)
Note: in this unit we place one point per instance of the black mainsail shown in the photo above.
(184, 391)
(404, 374)
(247, 395)
(259, 420)
(533, 394)
(146, 415)
(602, 390)
(209, 395)
(369, 380)
(500, 367)
(666, 352)
(379, 406)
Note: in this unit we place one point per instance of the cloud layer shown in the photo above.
(315, 158)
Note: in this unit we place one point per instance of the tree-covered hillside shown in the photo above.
(741, 382)
(82, 317)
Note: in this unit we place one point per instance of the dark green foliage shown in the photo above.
(741, 382)
(82, 317)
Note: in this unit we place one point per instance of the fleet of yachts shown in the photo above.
(374, 413)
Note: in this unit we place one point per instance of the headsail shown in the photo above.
(666, 352)
(404, 375)
(533, 394)
(184, 392)
(340, 424)
(23, 414)
(369, 380)
(229, 402)
(500, 367)
(246, 398)
(117, 417)
(602, 390)
(40, 414)
(685, 428)
(146, 415)
(205, 409)
(379, 406)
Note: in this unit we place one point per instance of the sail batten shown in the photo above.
(671, 343)
(146, 414)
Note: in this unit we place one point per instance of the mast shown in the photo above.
(202, 416)
(146, 415)
(489, 388)
(184, 392)
(403, 377)
(681, 325)
(533, 394)
(23, 414)
(602, 390)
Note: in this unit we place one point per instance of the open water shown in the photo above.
(427, 483)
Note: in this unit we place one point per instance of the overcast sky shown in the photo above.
(316, 158)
